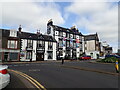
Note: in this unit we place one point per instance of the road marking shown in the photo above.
(30, 79)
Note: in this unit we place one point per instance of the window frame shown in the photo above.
(12, 44)
(30, 44)
(50, 45)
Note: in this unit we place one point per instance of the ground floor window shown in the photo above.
(50, 55)
(68, 54)
(74, 54)
(13, 56)
(9, 56)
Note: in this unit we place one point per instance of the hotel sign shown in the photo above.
(40, 51)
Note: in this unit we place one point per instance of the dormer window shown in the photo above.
(40, 44)
(60, 33)
(40, 37)
(13, 33)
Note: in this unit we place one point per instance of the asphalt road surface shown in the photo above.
(52, 75)
(18, 82)
(15, 82)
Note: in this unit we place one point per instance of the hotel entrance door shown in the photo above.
(40, 57)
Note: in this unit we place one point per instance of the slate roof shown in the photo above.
(91, 37)
(27, 35)
(5, 32)
(108, 48)
(67, 30)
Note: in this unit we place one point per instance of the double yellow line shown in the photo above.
(30, 79)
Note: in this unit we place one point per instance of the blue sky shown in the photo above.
(88, 17)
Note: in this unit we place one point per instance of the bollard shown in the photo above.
(117, 66)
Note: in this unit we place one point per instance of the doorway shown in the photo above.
(40, 57)
(6, 56)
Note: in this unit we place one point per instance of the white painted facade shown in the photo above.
(78, 49)
(54, 51)
(46, 49)
(24, 51)
(83, 45)
(34, 52)
(62, 49)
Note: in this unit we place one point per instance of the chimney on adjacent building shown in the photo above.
(50, 22)
(38, 32)
(77, 30)
(20, 28)
(73, 28)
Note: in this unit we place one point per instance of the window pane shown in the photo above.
(13, 56)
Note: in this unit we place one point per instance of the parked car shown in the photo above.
(85, 57)
(102, 57)
(116, 56)
(4, 76)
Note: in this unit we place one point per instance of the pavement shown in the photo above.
(55, 75)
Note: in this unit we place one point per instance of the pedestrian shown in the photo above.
(62, 60)
(31, 60)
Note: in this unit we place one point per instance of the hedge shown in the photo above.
(110, 60)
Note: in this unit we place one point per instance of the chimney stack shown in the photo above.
(50, 22)
(38, 32)
(20, 28)
(73, 28)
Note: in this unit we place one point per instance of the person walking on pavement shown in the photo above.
(63, 60)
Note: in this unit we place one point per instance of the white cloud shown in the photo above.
(30, 15)
(100, 17)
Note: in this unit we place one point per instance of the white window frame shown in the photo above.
(12, 44)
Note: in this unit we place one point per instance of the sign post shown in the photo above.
(117, 66)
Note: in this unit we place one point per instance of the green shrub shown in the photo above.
(109, 60)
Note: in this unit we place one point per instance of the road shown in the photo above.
(17, 82)
(53, 75)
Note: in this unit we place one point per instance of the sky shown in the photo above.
(89, 16)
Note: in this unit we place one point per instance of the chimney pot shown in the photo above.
(20, 28)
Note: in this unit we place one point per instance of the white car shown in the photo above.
(103, 57)
(4, 76)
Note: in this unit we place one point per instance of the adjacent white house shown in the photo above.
(36, 47)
